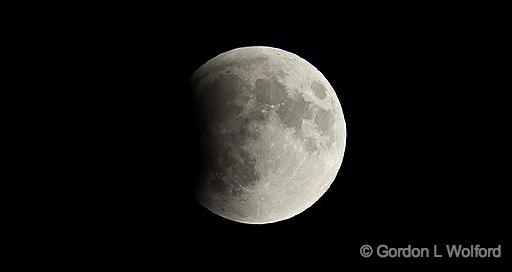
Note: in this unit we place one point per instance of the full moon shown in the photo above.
(272, 134)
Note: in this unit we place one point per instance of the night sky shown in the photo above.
(425, 116)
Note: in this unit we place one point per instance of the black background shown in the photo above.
(423, 99)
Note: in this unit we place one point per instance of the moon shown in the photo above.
(273, 134)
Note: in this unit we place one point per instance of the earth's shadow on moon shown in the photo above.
(192, 144)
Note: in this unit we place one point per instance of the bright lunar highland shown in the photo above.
(272, 134)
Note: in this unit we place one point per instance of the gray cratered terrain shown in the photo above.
(273, 134)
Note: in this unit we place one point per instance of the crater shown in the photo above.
(319, 89)
(310, 144)
(269, 91)
(237, 191)
(282, 74)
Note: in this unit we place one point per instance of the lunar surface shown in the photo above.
(272, 131)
